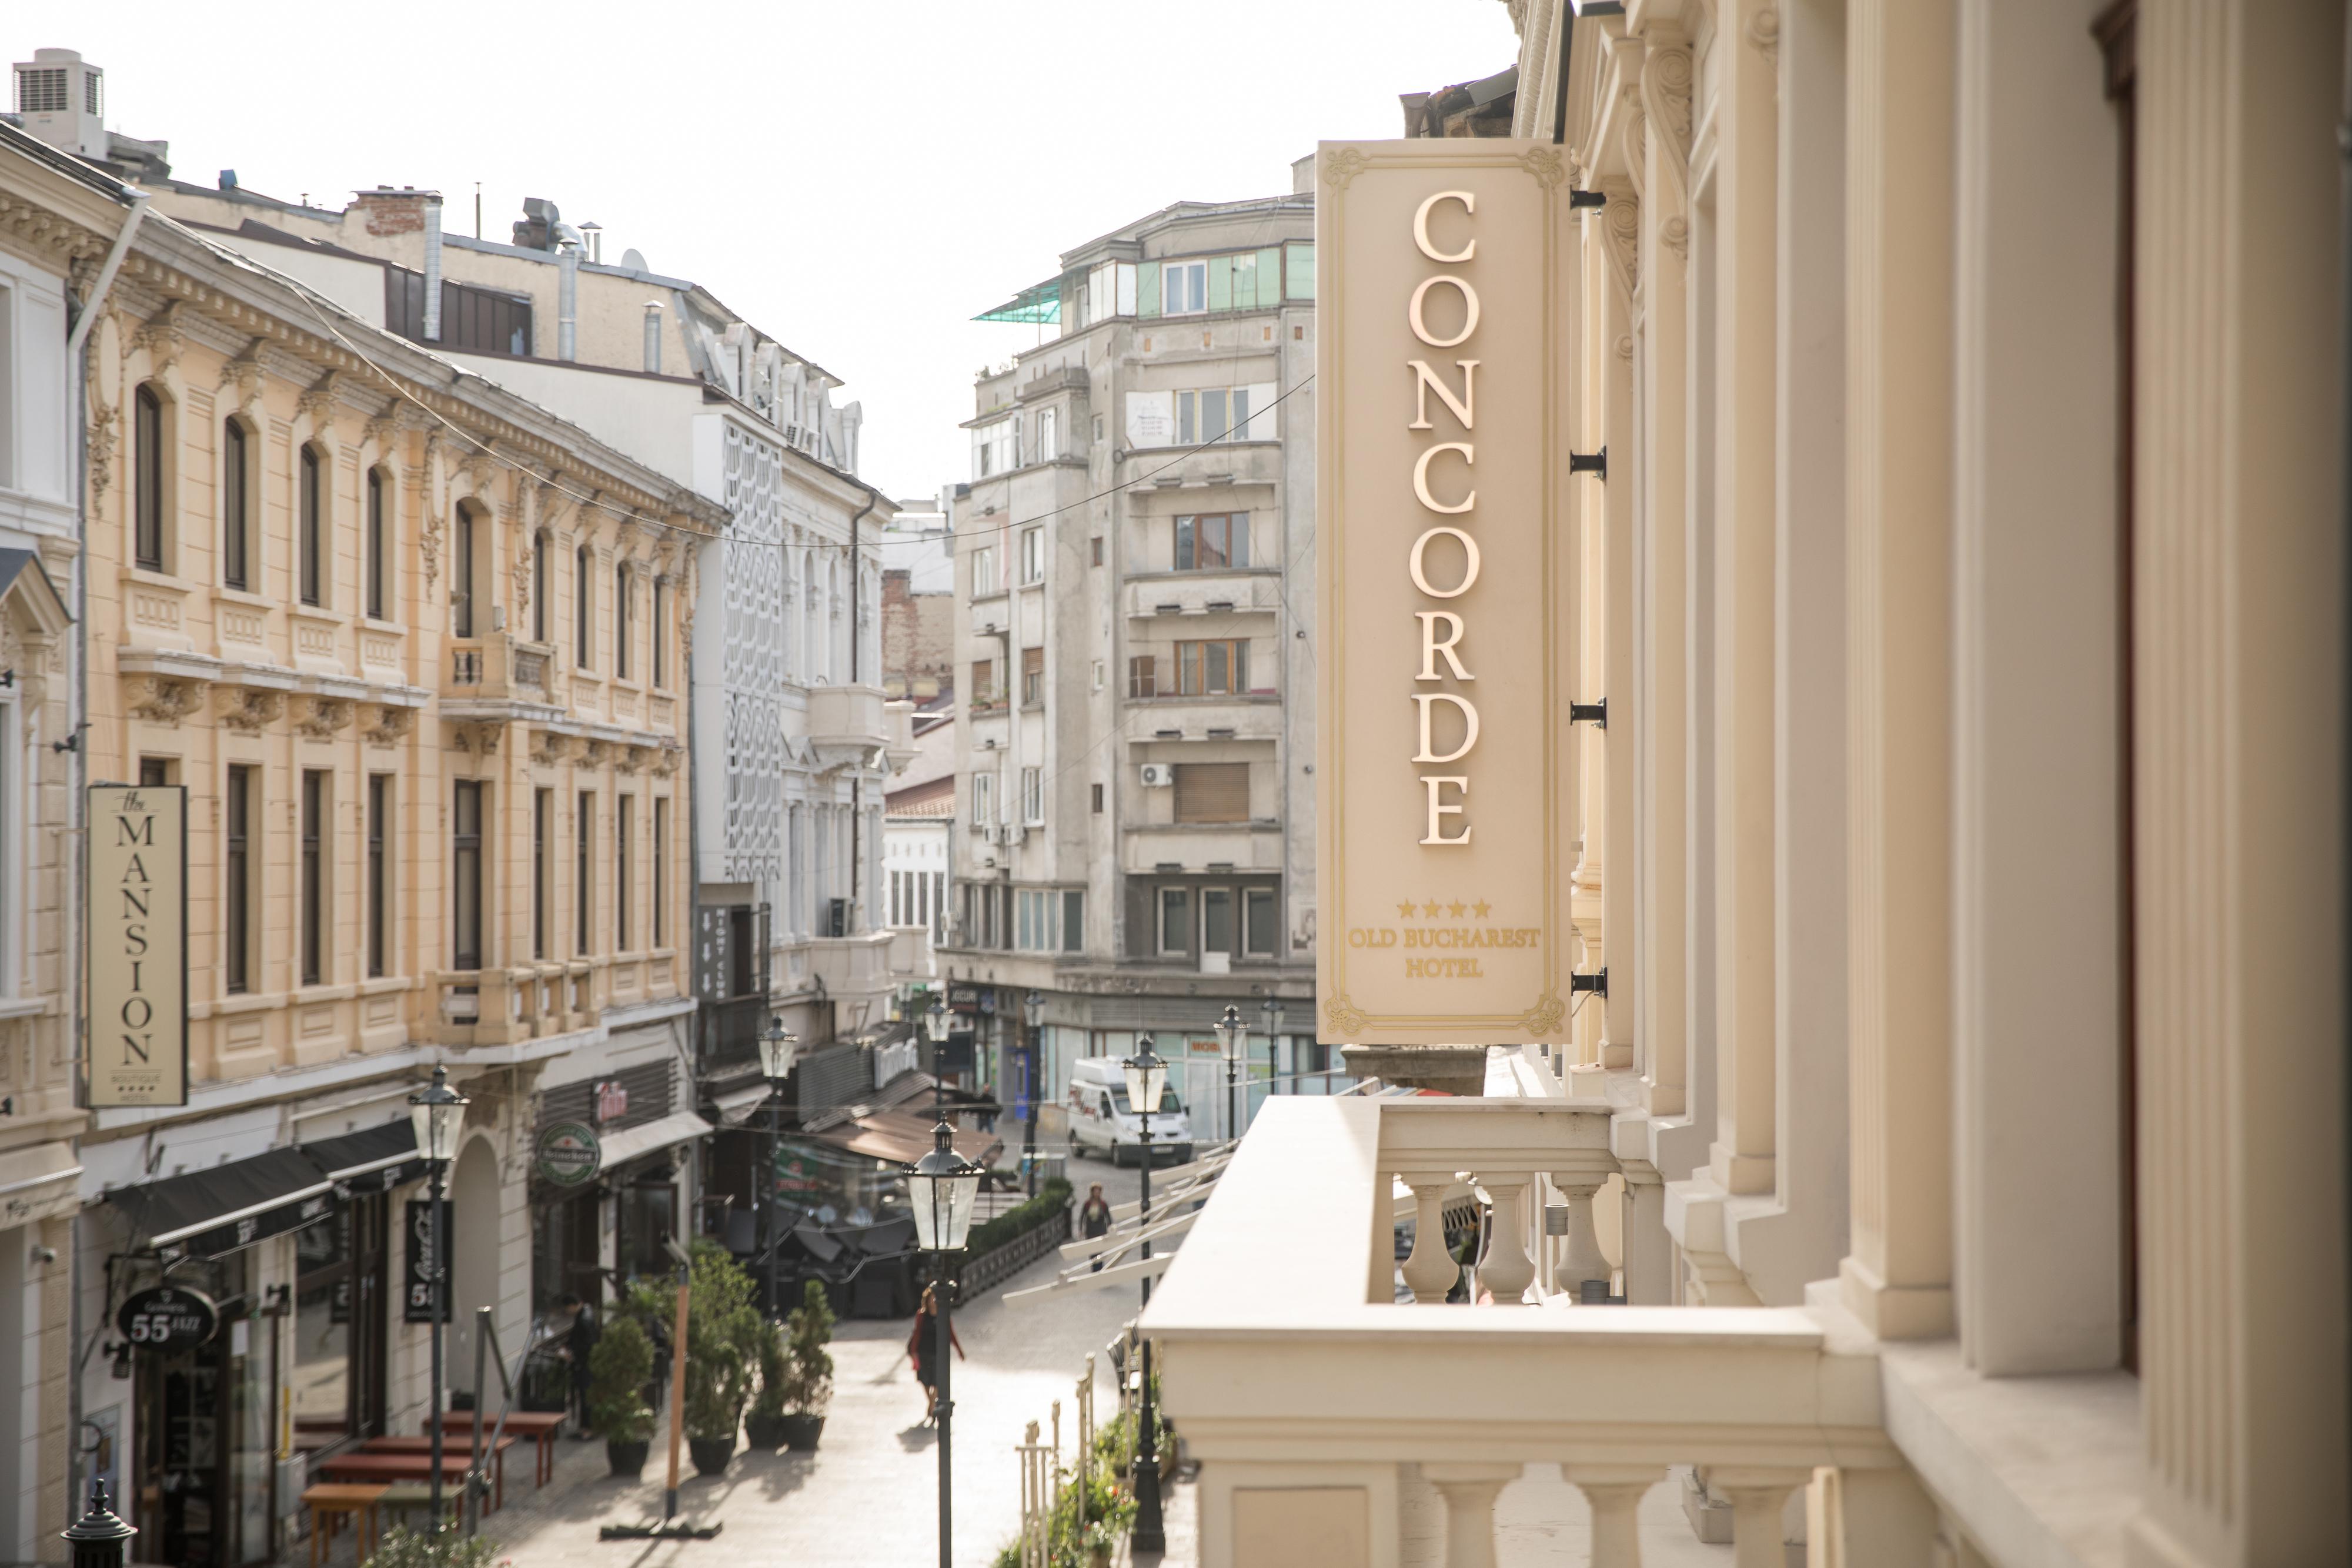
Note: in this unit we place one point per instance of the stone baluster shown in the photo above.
(1614, 1493)
(1584, 1172)
(1469, 1490)
(1505, 1269)
(1430, 1269)
(1757, 1495)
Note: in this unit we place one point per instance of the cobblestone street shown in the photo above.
(867, 1495)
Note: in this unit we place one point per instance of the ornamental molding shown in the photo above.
(248, 710)
(1342, 164)
(387, 724)
(52, 238)
(105, 427)
(318, 401)
(1544, 1017)
(162, 699)
(160, 336)
(1763, 32)
(322, 717)
(549, 747)
(1346, 1018)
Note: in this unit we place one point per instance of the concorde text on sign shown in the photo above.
(1446, 575)
(137, 929)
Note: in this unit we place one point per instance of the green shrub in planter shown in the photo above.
(618, 1369)
(401, 1547)
(721, 1334)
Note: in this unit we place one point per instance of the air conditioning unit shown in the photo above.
(1159, 775)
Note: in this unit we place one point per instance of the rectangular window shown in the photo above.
(1098, 799)
(661, 633)
(1216, 668)
(983, 571)
(1213, 543)
(461, 575)
(155, 772)
(983, 683)
(1143, 676)
(465, 876)
(624, 808)
(1213, 791)
(1033, 676)
(237, 813)
(623, 621)
(1032, 555)
(1217, 920)
(542, 812)
(1257, 911)
(147, 465)
(236, 508)
(1049, 435)
(661, 872)
(378, 565)
(1183, 287)
(584, 882)
(1094, 549)
(311, 546)
(1298, 270)
(1175, 921)
(538, 588)
(983, 800)
(314, 873)
(1074, 919)
(1033, 796)
(584, 612)
(379, 885)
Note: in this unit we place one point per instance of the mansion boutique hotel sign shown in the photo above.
(137, 930)
(1446, 575)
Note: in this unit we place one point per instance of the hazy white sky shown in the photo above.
(858, 177)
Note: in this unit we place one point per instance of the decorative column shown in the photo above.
(1746, 424)
(1609, 388)
(1758, 1497)
(1581, 1258)
(1430, 1270)
(1614, 1493)
(1899, 195)
(1469, 1491)
(1505, 1269)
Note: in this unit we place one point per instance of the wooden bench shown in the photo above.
(541, 1425)
(331, 1504)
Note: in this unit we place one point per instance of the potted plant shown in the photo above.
(722, 1330)
(764, 1427)
(617, 1369)
(1102, 1538)
(807, 1380)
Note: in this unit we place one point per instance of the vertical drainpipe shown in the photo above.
(567, 302)
(432, 269)
(653, 337)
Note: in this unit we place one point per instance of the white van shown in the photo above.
(1102, 1121)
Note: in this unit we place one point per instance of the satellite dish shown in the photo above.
(634, 260)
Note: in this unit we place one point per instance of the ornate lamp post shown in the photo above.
(99, 1538)
(935, 1027)
(1033, 1010)
(1146, 1078)
(437, 1111)
(1271, 1007)
(941, 1187)
(1230, 1026)
(778, 1046)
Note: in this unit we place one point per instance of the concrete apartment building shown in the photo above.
(1135, 675)
(1964, 1122)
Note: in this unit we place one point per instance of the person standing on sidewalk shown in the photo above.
(923, 1349)
(1094, 1218)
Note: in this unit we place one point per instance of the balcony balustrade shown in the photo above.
(1301, 1383)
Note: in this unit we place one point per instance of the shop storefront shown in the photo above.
(611, 1180)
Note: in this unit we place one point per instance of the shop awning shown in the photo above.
(735, 1107)
(650, 1137)
(206, 1213)
(900, 1138)
(375, 1159)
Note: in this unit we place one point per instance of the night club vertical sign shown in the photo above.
(135, 925)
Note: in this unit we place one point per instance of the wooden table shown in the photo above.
(366, 1466)
(494, 1455)
(330, 1504)
(543, 1425)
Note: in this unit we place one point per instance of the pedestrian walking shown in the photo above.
(1094, 1219)
(923, 1349)
(579, 1340)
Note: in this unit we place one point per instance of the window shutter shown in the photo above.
(1213, 791)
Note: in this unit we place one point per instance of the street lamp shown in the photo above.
(941, 1187)
(1230, 1026)
(1146, 1078)
(1033, 1010)
(437, 1111)
(777, 1048)
(1271, 1007)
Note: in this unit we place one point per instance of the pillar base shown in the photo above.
(1894, 1311)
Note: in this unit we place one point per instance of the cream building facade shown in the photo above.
(1964, 1121)
(415, 649)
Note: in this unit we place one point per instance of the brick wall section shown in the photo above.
(918, 639)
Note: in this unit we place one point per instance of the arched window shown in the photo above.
(311, 544)
(237, 506)
(584, 611)
(147, 479)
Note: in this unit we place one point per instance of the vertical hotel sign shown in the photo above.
(137, 929)
(1445, 576)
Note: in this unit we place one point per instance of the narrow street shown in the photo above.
(867, 1495)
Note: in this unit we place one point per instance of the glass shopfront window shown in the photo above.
(335, 1381)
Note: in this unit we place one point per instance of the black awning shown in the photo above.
(374, 1160)
(206, 1213)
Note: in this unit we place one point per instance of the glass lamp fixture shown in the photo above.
(935, 1020)
(437, 1110)
(1032, 1009)
(1230, 1026)
(943, 1186)
(778, 1045)
(1147, 1076)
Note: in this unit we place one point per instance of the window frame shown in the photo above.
(542, 868)
(239, 562)
(542, 582)
(1254, 900)
(237, 813)
(311, 875)
(150, 468)
(1181, 924)
(584, 608)
(1191, 531)
(1033, 796)
(467, 905)
(622, 619)
(379, 882)
(311, 504)
(377, 542)
(462, 533)
(1192, 666)
(583, 889)
(1032, 556)
(1197, 294)
(661, 872)
(1033, 677)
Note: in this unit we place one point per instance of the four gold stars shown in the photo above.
(1430, 909)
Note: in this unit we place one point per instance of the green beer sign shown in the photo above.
(569, 1154)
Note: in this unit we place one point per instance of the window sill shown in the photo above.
(149, 577)
(246, 597)
(309, 995)
(23, 1006)
(387, 628)
(383, 985)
